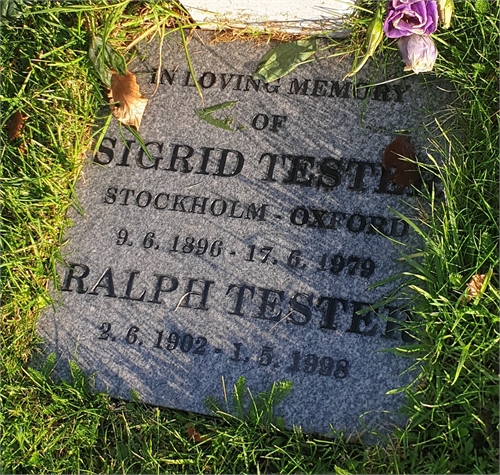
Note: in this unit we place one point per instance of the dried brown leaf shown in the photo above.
(15, 126)
(401, 172)
(130, 104)
(422, 384)
(193, 434)
(474, 286)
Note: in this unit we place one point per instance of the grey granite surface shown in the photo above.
(246, 252)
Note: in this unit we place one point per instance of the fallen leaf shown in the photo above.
(402, 172)
(422, 384)
(474, 286)
(130, 104)
(105, 59)
(193, 434)
(284, 58)
(207, 115)
(10, 9)
(16, 124)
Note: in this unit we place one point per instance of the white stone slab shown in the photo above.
(303, 17)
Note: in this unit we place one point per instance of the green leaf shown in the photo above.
(211, 404)
(284, 58)
(341, 471)
(49, 364)
(134, 395)
(261, 407)
(206, 115)
(461, 362)
(239, 397)
(482, 6)
(79, 381)
(139, 139)
(374, 36)
(10, 9)
(116, 61)
(96, 57)
(104, 58)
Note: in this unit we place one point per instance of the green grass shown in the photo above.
(64, 428)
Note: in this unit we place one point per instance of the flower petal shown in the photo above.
(419, 53)
(408, 17)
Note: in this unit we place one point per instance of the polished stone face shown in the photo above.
(206, 254)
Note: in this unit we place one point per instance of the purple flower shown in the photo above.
(419, 52)
(410, 17)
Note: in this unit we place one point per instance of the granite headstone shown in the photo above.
(247, 252)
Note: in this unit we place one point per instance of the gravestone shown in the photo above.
(245, 252)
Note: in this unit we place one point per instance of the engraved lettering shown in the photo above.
(186, 298)
(260, 121)
(210, 82)
(299, 216)
(337, 217)
(303, 309)
(381, 93)
(178, 204)
(142, 203)
(344, 90)
(234, 205)
(377, 223)
(126, 152)
(298, 172)
(70, 275)
(328, 322)
(220, 204)
(150, 163)
(319, 88)
(186, 168)
(251, 82)
(296, 88)
(356, 223)
(127, 194)
(237, 87)
(240, 294)
(361, 168)
(331, 176)
(363, 323)
(399, 228)
(361, 90)
(272, 163)
(130, 284)
(196, 204)
(110, 196)
(270, 300)
(222, 163)
(165, 74)
(105, 282)
(204, 161)
(187, 78)
(253, 212)
(278, 122)
(174, 283)
(225, 82)
(159, 196)
(109, 152)
(272, 88)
